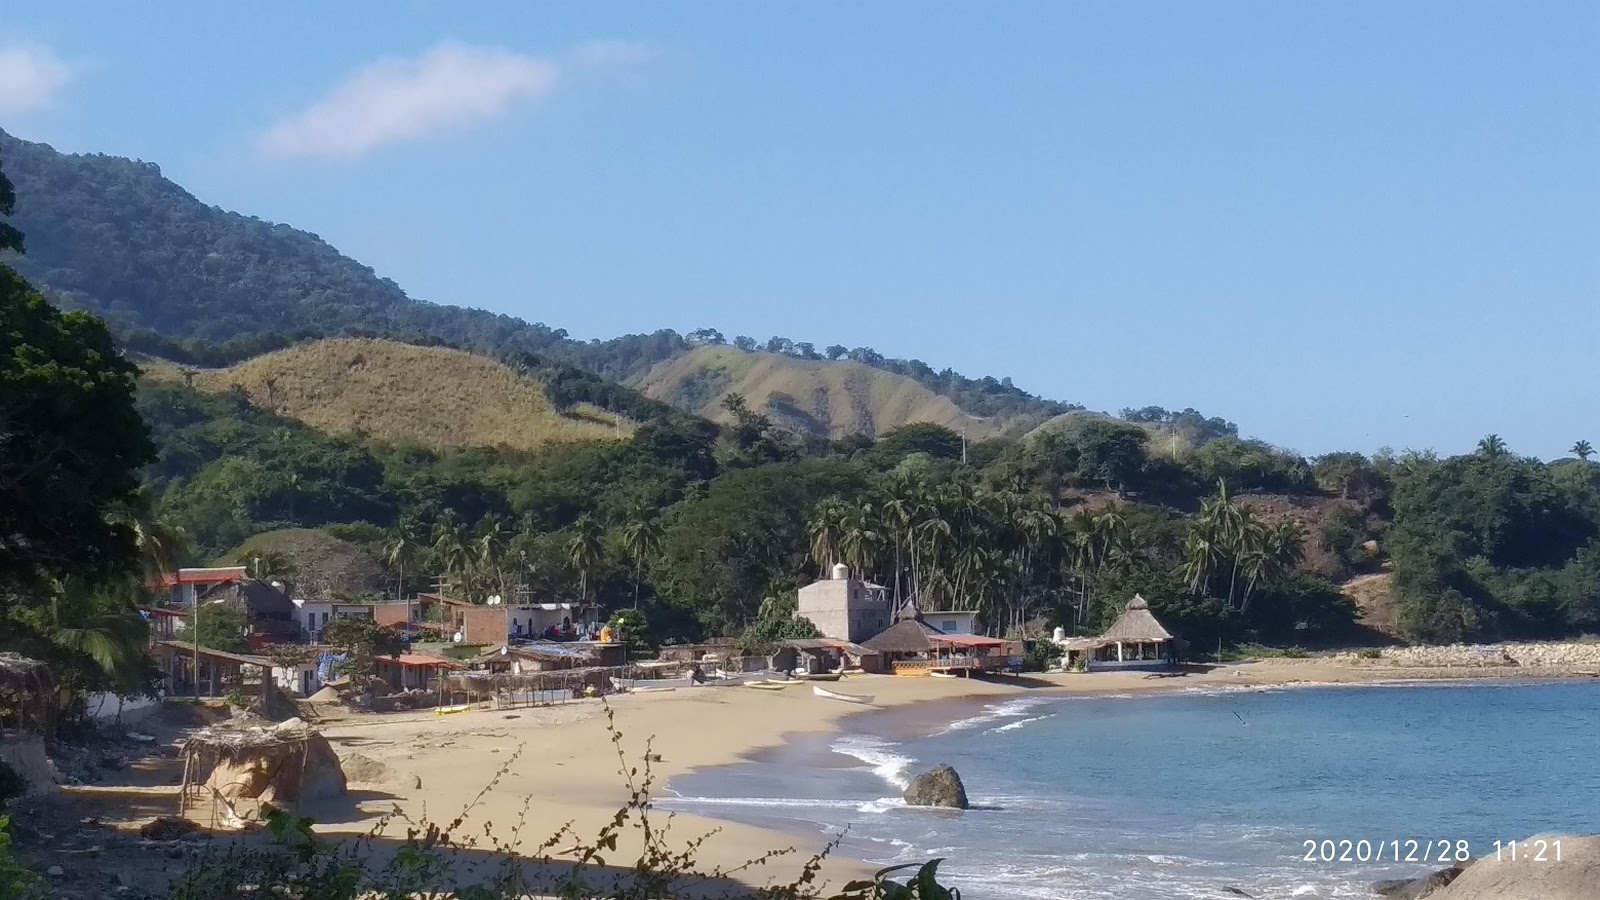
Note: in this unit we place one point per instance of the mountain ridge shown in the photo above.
(117, 238)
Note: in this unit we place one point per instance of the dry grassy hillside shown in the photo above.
(387, 391)
(319, 564)
(825, 399)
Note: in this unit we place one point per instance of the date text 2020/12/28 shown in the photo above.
(1424, 850)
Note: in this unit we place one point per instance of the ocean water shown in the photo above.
(1186, 795)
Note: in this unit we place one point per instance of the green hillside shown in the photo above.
(115, 237)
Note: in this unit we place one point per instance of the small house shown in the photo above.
(412, 671)
(817, 656)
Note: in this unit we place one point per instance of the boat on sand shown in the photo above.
(821, 691)
(821, 676)
(769, 685)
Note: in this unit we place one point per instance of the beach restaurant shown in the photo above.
(913, 647)
(1136, 640)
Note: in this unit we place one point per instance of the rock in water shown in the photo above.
(939, 787)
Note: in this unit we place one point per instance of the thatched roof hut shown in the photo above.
(1136, 625)
(906, 636)
(229, 773)
(1136, 640)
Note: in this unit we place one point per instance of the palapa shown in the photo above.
(905, 636)
(1136, 625)
(239, 770)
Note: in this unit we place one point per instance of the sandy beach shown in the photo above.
(567, 769)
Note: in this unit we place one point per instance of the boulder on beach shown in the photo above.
(1575, 876)
(937, 787)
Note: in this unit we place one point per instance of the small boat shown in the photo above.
(821, 691)
(449, 710)
(766, 685)
(650, 690)
(937, 674)
(821, 676)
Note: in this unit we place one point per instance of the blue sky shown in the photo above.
(1342, 225)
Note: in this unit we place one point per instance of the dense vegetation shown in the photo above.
(710, 528)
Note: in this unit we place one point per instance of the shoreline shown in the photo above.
(568, 769)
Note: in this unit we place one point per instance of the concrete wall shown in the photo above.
(953, 622)
(843, 609)
(484, 625)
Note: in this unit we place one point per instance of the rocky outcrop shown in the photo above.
(26, 755)
(1576, 876)
(938, 787)
(1551, 655)
(1418, 888)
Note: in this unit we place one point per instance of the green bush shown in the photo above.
(17, 882)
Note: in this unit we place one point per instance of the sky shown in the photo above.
(1346, 225)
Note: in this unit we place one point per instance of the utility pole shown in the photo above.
(963, 445)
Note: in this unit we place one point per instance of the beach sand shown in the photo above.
(567, 769)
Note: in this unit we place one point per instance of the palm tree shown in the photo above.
(399, 551)
(162, 546)
(1582, 450)
(860, 539)
(640, 538)
(584, 550)
(450, 551)
(1278, 553)
(1492, 446)
(489, 555)
(825, 530)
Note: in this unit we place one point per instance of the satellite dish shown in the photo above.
(504, 649)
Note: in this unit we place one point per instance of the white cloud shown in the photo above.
(449, 87)
(609, 54)
(31, 78)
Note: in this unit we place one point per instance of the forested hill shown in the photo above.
(115, 237)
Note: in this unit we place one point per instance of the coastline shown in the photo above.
(568, 764)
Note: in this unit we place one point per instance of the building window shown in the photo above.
(948, 626)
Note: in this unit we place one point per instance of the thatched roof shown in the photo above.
(1136, 624)
(905, 636)
(233, 741)
(826, 644)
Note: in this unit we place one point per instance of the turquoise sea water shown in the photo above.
(1184, 795)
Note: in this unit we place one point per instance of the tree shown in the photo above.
(1492, 447)
(641, 536)
(837, 351)
(72, 445)
(362, 641)
(745, 343)
(631, 627)
(220, 626)
(707, 336)
(1110, 452)
(400, 549)
(825, 529)
(584, 550)
(1582, 450)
